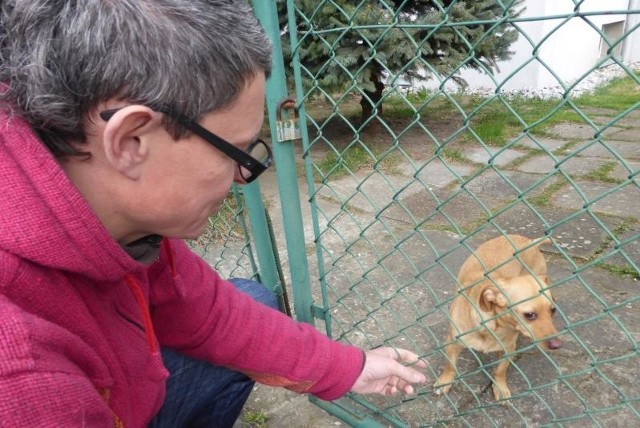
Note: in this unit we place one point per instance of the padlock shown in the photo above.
(287, 129)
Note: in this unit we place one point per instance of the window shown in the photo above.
(611, 34)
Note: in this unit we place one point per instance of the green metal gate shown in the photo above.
(404, 181)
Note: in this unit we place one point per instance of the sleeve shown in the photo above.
(201, 315)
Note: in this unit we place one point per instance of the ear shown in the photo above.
(126, 139)
(491, 295)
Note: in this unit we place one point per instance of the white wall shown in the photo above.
(568, 48)
(631, 49)
(526, 72)
(574, 48)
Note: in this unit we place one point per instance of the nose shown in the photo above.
(554, 344)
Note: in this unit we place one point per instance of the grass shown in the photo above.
(338, 165)
(540, 114)
(492, 126)
(621, 271)
(495, 120)
(626, 270)
(603, 173)
(544, 198)
(255, 419)
(223, 225)
(498, 121)
(449, 154)
(356, 158)
(619, 94)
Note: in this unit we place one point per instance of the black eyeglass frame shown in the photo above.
(244, 159)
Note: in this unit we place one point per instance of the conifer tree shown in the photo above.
(357, 45)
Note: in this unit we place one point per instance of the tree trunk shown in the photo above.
(371, 99)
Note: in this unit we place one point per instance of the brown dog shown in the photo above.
(502, 292)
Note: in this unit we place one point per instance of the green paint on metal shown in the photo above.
(261, 238)
(284, 158)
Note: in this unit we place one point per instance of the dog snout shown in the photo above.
(554, 344)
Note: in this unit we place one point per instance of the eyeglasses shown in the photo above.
(251, 163)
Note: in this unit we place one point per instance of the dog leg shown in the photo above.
(443, 384)
(500, 388)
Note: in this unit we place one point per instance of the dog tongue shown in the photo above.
(554, 343)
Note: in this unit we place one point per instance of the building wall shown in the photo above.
(558, 51)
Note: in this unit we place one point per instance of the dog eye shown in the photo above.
(530, 315)
(553, 311)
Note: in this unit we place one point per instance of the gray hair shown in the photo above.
(61, 58)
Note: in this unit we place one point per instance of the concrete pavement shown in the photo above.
(586, 194)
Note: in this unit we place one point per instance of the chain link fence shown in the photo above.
(410, 167)
(226, 244)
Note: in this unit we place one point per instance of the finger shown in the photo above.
(408, 374)
(408, 389)
(405, 387)
(408, 357)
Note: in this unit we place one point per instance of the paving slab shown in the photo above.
(628, 121)
(542, 164)
(603, 120)
(622, 134)
(497, 156)
(573, 131)
(441, 173)
(372, 191)
(578, 165)
(573, 165)
(542, 143)
(628, 171)
(599, 111)
(576, 236)
(626, 254)
(606, 149)
(508, 184)
(439, 208)
(601, 198)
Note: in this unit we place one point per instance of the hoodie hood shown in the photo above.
(44, 218)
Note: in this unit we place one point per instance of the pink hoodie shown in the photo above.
(81, 322)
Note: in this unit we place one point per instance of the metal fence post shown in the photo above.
(262, 240)
(267, 14)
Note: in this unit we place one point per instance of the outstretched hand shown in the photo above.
(384, 372)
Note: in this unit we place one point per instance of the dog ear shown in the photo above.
(490, 296)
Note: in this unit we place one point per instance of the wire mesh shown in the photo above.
(410, 170)
(226, 243)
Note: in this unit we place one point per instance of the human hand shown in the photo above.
(384, 372)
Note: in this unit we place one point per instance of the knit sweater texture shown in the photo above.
(82, 323)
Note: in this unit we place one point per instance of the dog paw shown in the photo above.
(501, 393)
(441, 388)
